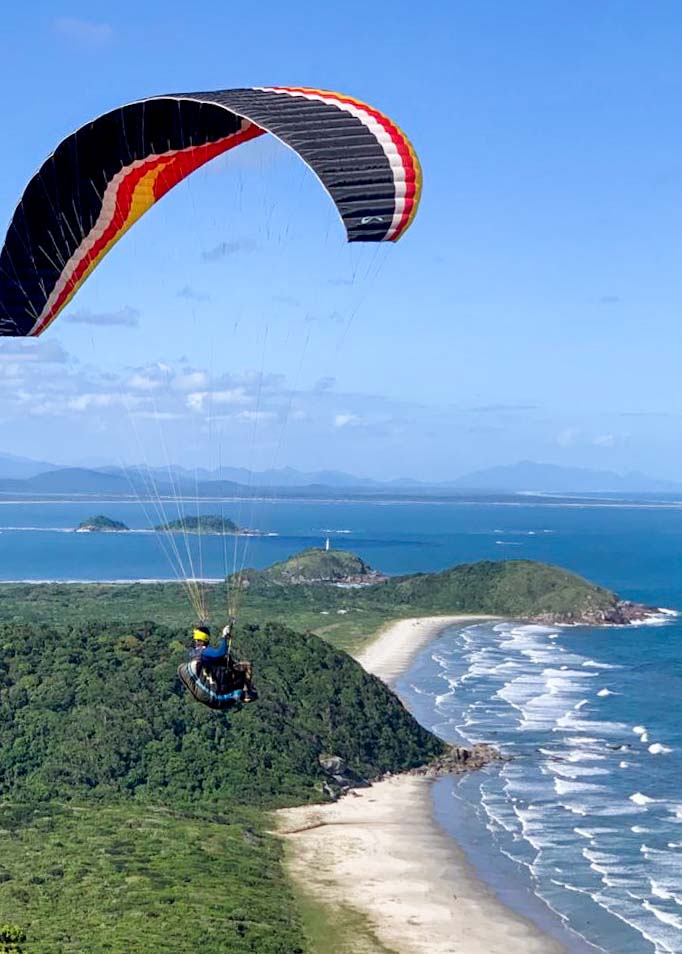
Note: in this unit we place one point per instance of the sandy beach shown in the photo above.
(395, 646)
(380, 851)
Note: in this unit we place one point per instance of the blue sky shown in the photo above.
(532, 311)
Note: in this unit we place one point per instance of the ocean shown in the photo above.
(634, 549)
(582, 829)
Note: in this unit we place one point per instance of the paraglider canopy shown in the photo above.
(101, 179)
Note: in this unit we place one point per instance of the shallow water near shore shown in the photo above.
(583, 827)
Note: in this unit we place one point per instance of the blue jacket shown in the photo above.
(206, 653)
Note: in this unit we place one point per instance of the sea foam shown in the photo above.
(640, 799)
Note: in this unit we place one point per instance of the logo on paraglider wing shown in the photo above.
(368, 219)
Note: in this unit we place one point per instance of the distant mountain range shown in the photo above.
(530, 476)
(20, 468)
(280, 477)
(23, 476)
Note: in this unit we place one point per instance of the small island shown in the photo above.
(203, 524)
(101, 524)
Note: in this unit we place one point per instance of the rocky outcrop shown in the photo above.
(340, 778)
(457, 759)
(620, 613)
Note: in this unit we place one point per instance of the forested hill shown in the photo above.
(513, 588)
(516, 588)
(131, 816)
(318, 601)
(98, 711)
(316, 565)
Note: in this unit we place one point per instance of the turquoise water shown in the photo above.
(583, 828)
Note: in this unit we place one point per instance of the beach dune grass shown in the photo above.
(336, 928)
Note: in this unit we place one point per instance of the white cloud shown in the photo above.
(11, 370)
(204, 400)
(145, 382)
(159, 415)
(344, 420)
(232, 396)
(250, 417)
(195, 402)
(190, 381)
(200, 408)
(570, 436)
(605, 440)
(125, 317)
(152, 377)
(33, 350)
(86, 401)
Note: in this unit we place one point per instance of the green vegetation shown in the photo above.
(11, 939)
(97, 712)
(117, 879)
(316, 565)
(343, 617)
(336, 928)
(512, 588)
(520, 588)
(124, 801)
(101, 524)
(330, 612)
(204, 523)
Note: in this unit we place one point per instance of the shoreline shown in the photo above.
(397, 644)
(381, 852)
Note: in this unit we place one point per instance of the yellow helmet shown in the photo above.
(201, 634)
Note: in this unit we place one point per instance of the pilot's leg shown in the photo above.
(250, 694)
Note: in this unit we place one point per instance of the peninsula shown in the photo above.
(518, 589)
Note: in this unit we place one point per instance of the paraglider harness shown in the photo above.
(218, 682)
